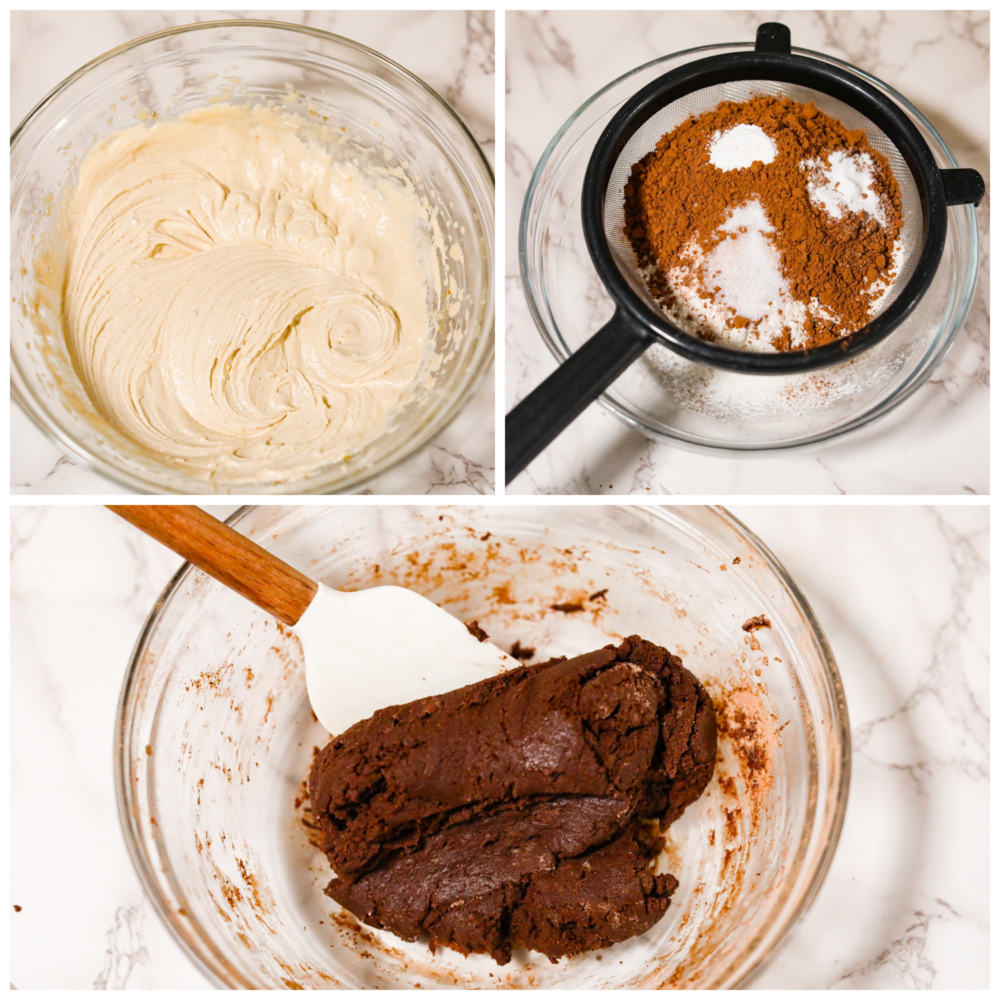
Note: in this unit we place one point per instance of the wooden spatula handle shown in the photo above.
(227, 555)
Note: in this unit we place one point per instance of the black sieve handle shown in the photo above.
(963, 186)
(543, 415)
(774, 37)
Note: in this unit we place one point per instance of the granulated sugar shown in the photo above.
(846, 184)
(741, 147)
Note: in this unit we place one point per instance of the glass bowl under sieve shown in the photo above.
(171, 72)
(666, 396)
(215, 737)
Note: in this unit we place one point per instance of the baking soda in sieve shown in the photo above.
(740, 147)
(846, 184)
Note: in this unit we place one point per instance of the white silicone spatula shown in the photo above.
(364, 650)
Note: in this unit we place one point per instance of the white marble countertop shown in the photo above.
(934, 443)
(453, 51)
(902, 593)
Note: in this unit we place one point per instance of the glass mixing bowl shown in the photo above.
(215, 738)
(171, 72)
(667, 397)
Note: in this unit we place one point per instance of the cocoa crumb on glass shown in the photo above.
(476, 631)
(569, 608)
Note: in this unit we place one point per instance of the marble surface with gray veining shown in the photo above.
(934, 443)
(453, 51)
(901, 592)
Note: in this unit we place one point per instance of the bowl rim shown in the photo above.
(38, 413)
(200, 950)
(839, 789)
(922, 372)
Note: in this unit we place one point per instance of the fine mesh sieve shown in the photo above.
(770, 68)
(697, 103)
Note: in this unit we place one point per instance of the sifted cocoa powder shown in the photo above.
(676, 200)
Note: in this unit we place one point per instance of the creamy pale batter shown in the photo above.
(245, 294)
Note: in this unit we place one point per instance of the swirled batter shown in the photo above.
(242, 299)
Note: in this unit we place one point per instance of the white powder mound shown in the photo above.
(740, 147)
(844, 185)
(746, 269)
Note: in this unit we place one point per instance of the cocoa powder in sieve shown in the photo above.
(676, 200)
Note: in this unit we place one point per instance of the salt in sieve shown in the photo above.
(771, 69)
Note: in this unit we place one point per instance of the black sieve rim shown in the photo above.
(779, 64)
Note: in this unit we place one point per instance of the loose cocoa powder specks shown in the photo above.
(789, 251)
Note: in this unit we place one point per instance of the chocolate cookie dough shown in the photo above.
(517, 809)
